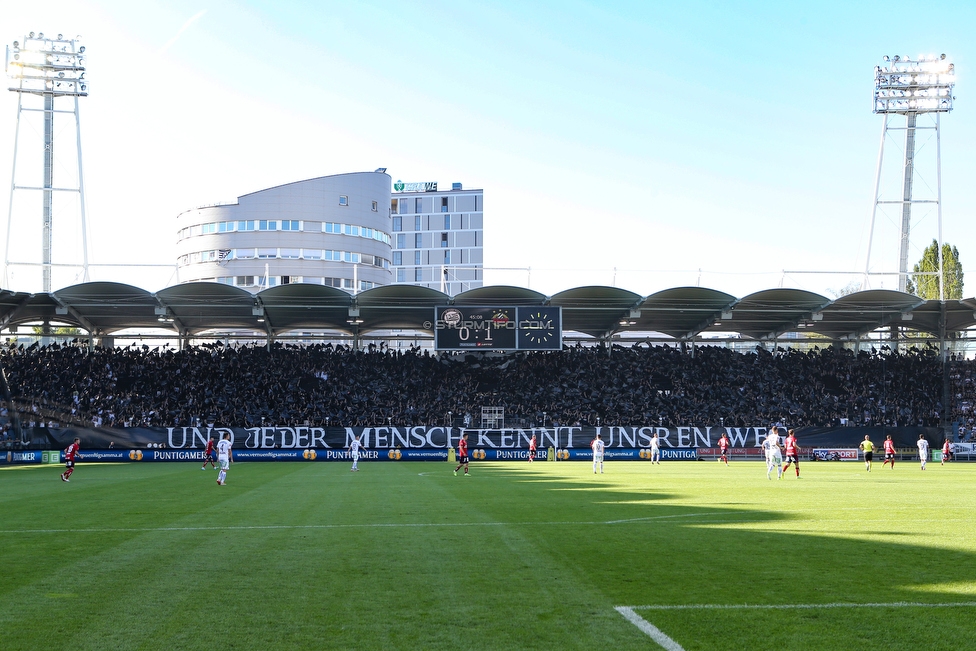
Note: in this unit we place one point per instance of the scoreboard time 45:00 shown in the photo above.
(497, 328)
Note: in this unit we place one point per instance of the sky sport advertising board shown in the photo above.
(835, 454)
(458, 328)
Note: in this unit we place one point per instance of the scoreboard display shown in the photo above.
(497, 328)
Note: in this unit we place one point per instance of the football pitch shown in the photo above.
(682, 555)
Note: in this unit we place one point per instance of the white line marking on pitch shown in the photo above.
(893, 604)
(664, 517)
(368, 525)
(649, 629)
(667, 643)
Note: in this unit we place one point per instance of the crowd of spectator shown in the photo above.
(324, 385)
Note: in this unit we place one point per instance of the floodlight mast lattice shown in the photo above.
(51, 68)
(909, 87)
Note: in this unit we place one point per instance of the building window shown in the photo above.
(401, 241)
(291, 254)
(443, 240)
(418, 205)
(393, 207)
(417, 257)
(418, 274)
(447, 222)
(267, 253)
(266, 225)
(401, 275)
(343, 200)
(397, 224)
(243, 225)
(397, 258)
(312, 254)
(375, 206)
(443, 204)
(290, 225)
(447, 256)
(418, 241)
(418, 224)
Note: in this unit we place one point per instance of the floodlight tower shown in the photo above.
(910, 87)
(50, 68)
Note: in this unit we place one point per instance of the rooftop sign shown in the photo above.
(424, 186)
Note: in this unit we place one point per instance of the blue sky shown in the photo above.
(647, 145)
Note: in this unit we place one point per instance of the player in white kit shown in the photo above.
(923, 450)
(597, 447)
(354, 448)
(655, 449)
(774, 454)
(223, 458)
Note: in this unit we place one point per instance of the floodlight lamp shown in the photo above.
(60, 36)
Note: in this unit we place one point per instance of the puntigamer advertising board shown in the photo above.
(431, 443)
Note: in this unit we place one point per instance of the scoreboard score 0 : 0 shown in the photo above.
(497, 328)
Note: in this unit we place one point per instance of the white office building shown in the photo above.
(331, 230)
(438, 236)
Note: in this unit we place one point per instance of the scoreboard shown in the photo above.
(497, 328)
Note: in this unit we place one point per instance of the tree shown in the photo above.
(57, 331)
(926, 286)
(846, 290)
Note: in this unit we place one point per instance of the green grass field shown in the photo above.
(517, 556)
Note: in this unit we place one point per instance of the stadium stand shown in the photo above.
(336, 385)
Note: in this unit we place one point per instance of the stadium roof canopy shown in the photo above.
(104, 308)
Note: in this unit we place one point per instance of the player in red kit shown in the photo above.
(723, 444)
(462, 455)
(889, 450)
(792, 453)
(209, 455)
(532, 448)
(70, 453)
(946, 451)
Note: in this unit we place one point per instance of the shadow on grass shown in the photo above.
(652, 552)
